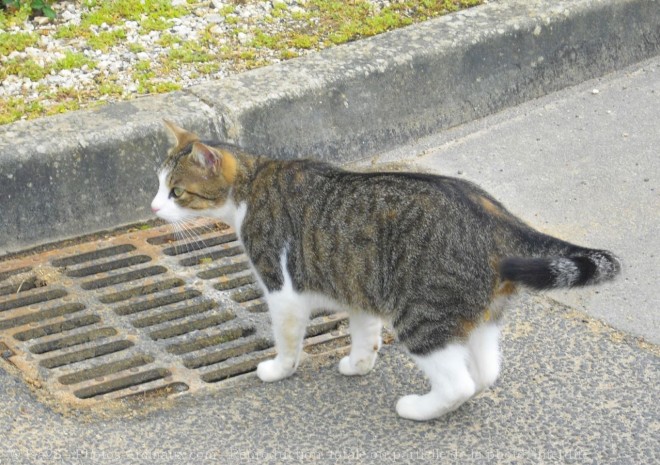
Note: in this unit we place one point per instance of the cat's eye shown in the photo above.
(176, 192)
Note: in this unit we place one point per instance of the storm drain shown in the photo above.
(140, 313)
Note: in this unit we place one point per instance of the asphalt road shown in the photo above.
(580, 164)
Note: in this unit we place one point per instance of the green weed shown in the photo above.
(105, 40)
(119, 11)
(73, 60)
(23, 68)
(13, 109)
(10, 42)
(189, 52)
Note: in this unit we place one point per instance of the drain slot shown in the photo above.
(56, 328)
(228, 251)
(234, 281)
(227, 353)
(321, 325)
(106, 369)
(32, 299)
(86, 354)
(236, 369)
(122, 383)
(174, 237)
(109, 266)
(203, 323)
(224, 270)
(42, 315)
(162, 391)
(256, 306)
(8, 274)
(223, 337)
(250, 298)
(199, 244)
(5, 352)
(141, 290)
(71, 341)
(158, 302)
(247, 293)
(125, 277)
(23, 286)
(176, 314)
(95, 255)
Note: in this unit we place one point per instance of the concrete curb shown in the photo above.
(86, 171)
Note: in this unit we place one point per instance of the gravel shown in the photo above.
(149, 61)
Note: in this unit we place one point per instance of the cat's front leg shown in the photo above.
(289, 314)
(366, 340)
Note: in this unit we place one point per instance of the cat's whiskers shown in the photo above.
(186, 239)
(196, 241)
(205, 226)
(179, 237)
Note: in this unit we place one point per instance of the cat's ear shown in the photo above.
(206, 156)
(183, 137)
(216, 160)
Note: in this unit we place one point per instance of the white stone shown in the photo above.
(217, 30)
(41, 20)
(214, 19)
(242, 37)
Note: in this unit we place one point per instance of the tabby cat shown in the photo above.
(437, 257)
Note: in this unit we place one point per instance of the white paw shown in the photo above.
(426, 407)
(273, 370)
(412, 408)
(361, 367)
(422, 408)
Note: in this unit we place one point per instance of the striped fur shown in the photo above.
(436, 256)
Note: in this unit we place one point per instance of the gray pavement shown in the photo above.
(581, 164)
(572, 390)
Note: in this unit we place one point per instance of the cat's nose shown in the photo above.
(154, 209)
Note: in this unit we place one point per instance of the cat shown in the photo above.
(435, 256)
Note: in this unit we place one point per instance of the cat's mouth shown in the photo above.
(170, 212)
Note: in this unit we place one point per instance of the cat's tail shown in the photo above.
(566, 266)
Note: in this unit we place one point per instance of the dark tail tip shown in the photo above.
(583, 268)
(532, 272)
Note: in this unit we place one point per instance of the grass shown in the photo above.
(16, 42)
(73, 60)
(189, 52)
(13, 108)
(105, 40)
(30, 69)
(111, 89)
(27, 68)
(284, 33)
(119, 11)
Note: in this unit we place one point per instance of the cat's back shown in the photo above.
(324, 187)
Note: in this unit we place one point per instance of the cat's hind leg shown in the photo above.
(366, 340)
(451, 384)
(485, 359)
(289, 313)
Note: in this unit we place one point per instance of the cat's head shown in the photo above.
(194, 180)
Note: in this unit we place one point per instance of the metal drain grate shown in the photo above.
(140, 313)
